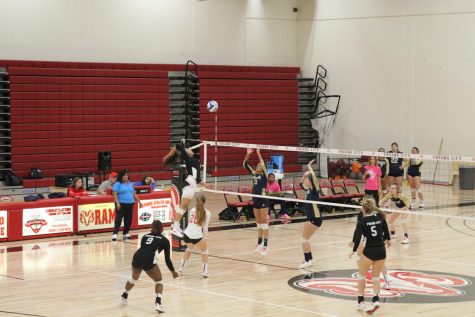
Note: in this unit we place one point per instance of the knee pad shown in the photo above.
(404, 220)
(158, 282)
(179, 210)
(132, 281)
(419, 191)
(303, 240)
(264, 226)
(259, 226)
(360, 277)
(205, 252)
(375, 279)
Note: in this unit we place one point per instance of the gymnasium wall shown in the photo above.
(405, 70)
(230, 32)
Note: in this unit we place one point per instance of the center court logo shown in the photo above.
(408, 286)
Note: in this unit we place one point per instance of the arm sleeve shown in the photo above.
(166, 250)
(357, 235)
(246, 166)
(387, 236)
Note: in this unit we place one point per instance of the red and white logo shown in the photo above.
(407, 286)
(175, 196)
(36, 223)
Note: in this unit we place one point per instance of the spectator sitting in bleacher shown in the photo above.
(76, 189)
(106, 186)
(273, 189)
(147, 180)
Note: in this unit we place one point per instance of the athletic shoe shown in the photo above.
(258, 248)
(306, 264)
(114, 237)
(413, 204)
(182, 266)
(127, 236)
(159, 308)
(374, 307)
(393, 236)
(405, 240)
(362, 306)
(123, 298)
(421, 205)
(285, 217)
(387, 285)
(264, 250)
(205, 274)
(177, 232)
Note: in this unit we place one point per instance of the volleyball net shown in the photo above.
(446, 181)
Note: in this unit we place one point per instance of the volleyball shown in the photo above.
(212, 106)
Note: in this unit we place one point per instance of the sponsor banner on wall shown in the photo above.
(47, 220)
(96, 216)
(3, 224)
(154, 209)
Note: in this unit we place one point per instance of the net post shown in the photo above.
(205, 161)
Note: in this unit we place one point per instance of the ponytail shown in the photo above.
(200, 209)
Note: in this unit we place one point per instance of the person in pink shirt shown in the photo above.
(372, 175)
(273, 189)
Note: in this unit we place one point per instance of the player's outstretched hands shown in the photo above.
(249, 151)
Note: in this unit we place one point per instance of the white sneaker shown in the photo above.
(205, 274)
(371, 309)
(421, 205)
(258, 248)
(176, 231)
(123, 299)
(127, 236)
(413, 204)
(159, 308)
(264, 250)
(306, 264)
(393, 236)
(362, 306)
(114, 237)
(387, 285)
(405, 240)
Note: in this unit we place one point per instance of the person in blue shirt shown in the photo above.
(124, 199)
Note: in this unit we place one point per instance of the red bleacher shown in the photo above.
(63, 113)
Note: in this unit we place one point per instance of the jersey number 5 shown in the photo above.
(374, 233)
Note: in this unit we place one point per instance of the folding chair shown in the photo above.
(235, 205)
(352, 189)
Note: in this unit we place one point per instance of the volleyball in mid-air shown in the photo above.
(212, 106)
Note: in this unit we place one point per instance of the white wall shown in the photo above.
(404, 69)
(240, 32)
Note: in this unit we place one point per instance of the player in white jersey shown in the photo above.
(196, 232)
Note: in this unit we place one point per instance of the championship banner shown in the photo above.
(47, 220)
(96, 216)
(3, 224)
(154, 209)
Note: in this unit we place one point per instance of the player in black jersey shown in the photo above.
(260, 205)
(144, 259)
(399, 201)
(414, 177)
(396, 167)
(375, 229)
(309, 183)
(193, 178)
(383, 163)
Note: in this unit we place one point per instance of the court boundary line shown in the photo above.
(228, 296)
(21, 314)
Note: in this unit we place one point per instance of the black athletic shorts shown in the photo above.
(142, 263)
(372, 193)
(396, 172)
(188, 240)
(375, 253)
(260, 203)
(413, 173)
